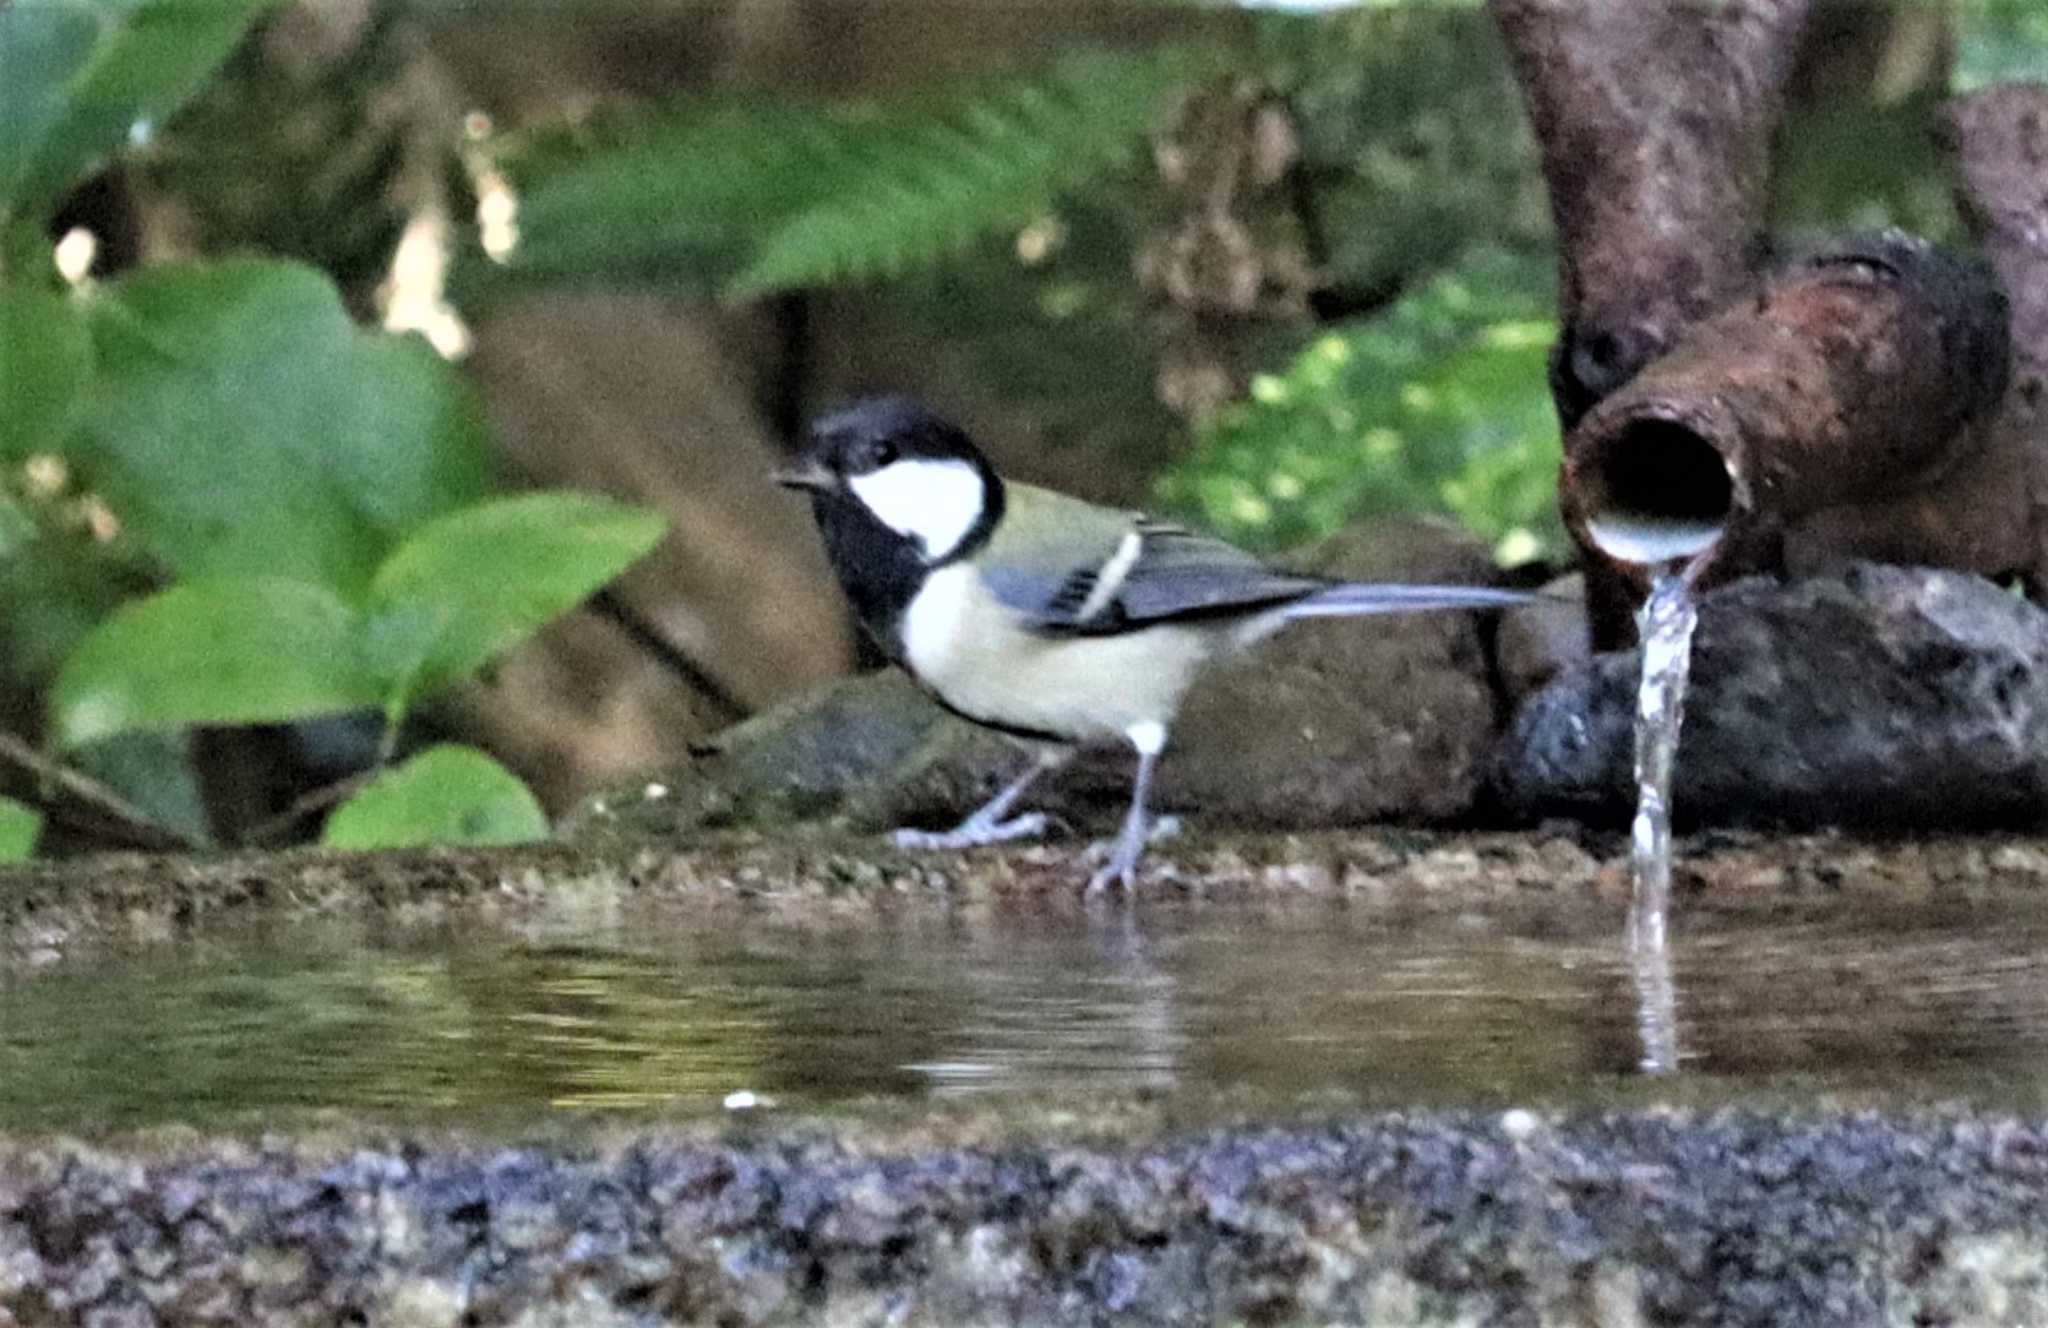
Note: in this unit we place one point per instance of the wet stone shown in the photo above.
(1332, 722)
(1886, 697)
(1348, 721)
(1538, 643)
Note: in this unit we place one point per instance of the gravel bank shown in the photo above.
(1728, 1218)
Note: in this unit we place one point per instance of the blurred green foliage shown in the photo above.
(45, 368)
(1423, 180)
(20, 827)
(311, 159)
(1859, 166)
(1857, 160)
(750, 196)
(1413, 142)
(2000, 41)
(80, 77)
(221, 501)
(1438, 404)
(1066, 337)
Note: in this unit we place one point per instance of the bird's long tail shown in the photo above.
(1351, 598)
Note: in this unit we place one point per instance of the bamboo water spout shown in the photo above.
(1856, 374)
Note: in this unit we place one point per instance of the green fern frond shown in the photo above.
(909, 186)
(751, 196)
(676, 201)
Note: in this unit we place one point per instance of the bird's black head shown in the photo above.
(904, 469)
(897, 492)
(866, 435)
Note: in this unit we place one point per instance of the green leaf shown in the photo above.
(242, 425)
(45, 365)
(444, 795)
(76, 78)
(250, 650)
(473, 584)
(20, 826)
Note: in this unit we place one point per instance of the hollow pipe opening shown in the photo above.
(1658, 492)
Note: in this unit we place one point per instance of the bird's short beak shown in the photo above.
(805, 475)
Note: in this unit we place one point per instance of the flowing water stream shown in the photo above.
(1665, 623)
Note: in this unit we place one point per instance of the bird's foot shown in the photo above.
(974, 832)
(1121, 869)
(1119, 856)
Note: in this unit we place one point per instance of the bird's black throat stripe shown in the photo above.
(881, 569)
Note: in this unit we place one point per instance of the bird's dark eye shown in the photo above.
(870, 454)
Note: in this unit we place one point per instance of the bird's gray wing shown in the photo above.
(1069, 568)
(1181, 574)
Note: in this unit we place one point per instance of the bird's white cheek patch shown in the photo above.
(933, 502)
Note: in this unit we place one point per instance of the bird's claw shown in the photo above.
(973, 832)
(1124, 874)
(1119, 856)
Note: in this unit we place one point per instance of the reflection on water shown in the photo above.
(1184, 1001)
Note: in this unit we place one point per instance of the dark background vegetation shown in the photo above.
(1268, 268)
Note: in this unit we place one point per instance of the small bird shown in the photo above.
(1039, 614)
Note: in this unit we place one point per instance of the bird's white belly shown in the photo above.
(966, 647)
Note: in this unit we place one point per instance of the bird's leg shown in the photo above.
(985, 825)
(1129, 846)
